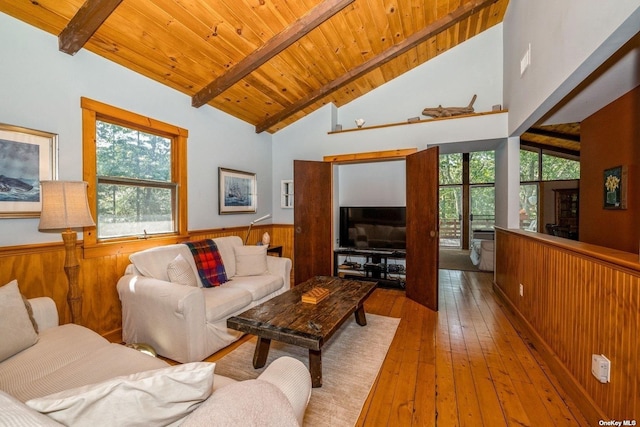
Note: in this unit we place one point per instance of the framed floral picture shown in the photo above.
(27, 157)
(238, 191)
(615, 188)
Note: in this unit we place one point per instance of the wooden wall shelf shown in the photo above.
(437, 119)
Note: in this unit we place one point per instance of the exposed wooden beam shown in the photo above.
(554, 134)
(436, 27)
(84, 23)
(560, 150)
(274, 46)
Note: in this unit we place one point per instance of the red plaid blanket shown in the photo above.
(209, 262)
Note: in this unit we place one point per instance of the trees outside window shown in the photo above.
(135, 192)
(136, 170)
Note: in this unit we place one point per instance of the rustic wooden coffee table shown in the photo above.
(287, 319)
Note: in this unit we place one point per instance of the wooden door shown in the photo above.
(312, 214)
(422, 227)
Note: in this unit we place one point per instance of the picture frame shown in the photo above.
(237, 191)
(29, 156)
(615, 188)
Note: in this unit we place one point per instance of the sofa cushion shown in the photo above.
(259, 286)
(222, 301)
(179, 271)
(250, 260)
(16, 329)
(153, 262)
(17, 414)
(153, 398)
(72, 354)
(225, 246)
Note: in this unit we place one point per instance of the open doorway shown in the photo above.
(467, 197)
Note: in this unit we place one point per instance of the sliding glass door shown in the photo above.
(482, 199)
(451, 216)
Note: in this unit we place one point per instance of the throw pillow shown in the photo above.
(179, 271)
(16, 329)
(151, 398)
(251, 260)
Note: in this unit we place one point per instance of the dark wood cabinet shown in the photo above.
(567, 211)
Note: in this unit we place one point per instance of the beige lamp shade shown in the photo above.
(64, 205)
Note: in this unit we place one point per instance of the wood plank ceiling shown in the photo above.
(267, 62)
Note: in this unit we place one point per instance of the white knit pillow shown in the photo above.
(179, 271)
(152, 398)
(16, 328)
(251, 260)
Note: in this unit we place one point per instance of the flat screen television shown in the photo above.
(373, 227)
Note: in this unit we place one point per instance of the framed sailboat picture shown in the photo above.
(238, 191)
(27, 156)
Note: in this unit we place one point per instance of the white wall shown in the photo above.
(373, 184)
(41, 87)
(569, 40)
(450, 79)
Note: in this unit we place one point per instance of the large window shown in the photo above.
(136, 173)
(538, 165)
(467, 196)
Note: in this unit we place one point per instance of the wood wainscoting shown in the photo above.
(39, 272)
(577, 300)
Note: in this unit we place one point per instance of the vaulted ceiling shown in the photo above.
(267, 62)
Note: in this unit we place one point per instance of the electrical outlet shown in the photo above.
(601, 368)
(521, 290)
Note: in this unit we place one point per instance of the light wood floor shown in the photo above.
(465, 365)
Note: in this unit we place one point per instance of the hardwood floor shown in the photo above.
(465, 365)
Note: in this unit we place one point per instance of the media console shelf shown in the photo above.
(371, 264)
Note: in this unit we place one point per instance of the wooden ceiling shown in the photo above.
(267, 62)
(561, 138)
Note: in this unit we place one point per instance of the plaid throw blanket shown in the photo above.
(209, 262)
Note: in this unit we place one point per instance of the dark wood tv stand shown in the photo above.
(371, 264)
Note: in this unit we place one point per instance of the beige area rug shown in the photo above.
(455, 259)
(350, 364)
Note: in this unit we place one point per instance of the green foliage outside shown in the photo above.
(482, 171)
(126, 207)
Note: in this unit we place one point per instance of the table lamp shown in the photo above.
(65, 206)
(262, 218)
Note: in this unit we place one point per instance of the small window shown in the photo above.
(286, 193)
(482, 167)
(555, 168)
(134, 163)
(529, 165)
(450, 169)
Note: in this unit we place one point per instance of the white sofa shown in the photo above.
(188, 323)
(73, 376)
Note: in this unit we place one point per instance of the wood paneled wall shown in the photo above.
(578, 300)
(39, 271)
(609, 138)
